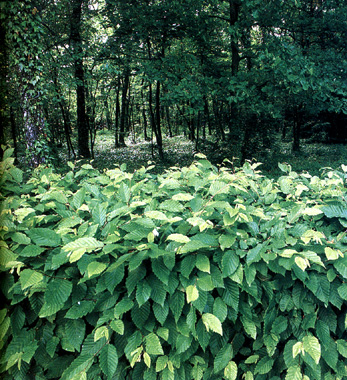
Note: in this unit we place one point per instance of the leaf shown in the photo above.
(342, 290)
(332, 254)
(32, 251)
(99, 213)
(230, 263)
(57, 293)
(230, 371)
(342, 347)
(81, 364)
(80, 309)
(179, 238)
(193, 246)
(312, 347)
(161, 312)
(301, 262)
(147, 359)
(264, 366)
(89, 244)
(192, 293)
(44, 237)
(294, 373)
(95, 268)
(176, 304)
(226, 241)
(153, 345)
(29, 277)
(223, 357)
(108, 359)
(249, 327)
(124, 192)
(203, 263)
(161, 363)
(156, 215)
(211, 322)
(101, 332)
(220, 309)
(117, 326)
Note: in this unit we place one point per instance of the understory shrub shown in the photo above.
(198, 273)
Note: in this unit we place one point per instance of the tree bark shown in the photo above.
(76, 40)
(123, 113)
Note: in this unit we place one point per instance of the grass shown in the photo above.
(179, 151)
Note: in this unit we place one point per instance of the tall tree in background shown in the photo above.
(76, 42)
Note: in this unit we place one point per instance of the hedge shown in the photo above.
(202, 272)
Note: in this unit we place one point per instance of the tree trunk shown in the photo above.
(158, 122)
(123, 113)
(117, 114)
(76, 41)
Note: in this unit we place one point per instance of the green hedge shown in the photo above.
(199, 273)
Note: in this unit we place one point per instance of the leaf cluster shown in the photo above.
(198, 273)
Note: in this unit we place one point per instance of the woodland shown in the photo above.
(233, 78)
(139, 238)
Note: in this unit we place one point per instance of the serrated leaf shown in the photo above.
(179, 238)
(44, 237)
(203, 263)
(332, 254)
(156, 215)
(294, 373)
(230, 263)
(87, 243)
(153, 345)
(230, 371)
(183, 197)
(342, 347)
(312, 347)
(176, 304)
(211, 322)
(192, 293)
(99, 213)
(95, 268)
(249, 327)
(101, 332)
(301, 262)
(161, 270)
(29, 277)
(124, 192)
(80, 309)
(342, 290)
(222, 358)
(264, 366)
(220, 309)
(123, 306)
(81, 364)
(161, 363)
(117, 326)
(193, 246)
(147, 359)
(57, 293)
(108, 359)
(226, 241)
(32, 251)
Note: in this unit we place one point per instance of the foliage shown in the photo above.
(197, 273)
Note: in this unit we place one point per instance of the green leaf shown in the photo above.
(32, 251)
(294, 373)
(161, 363)
(211, 322)
(153, 345)
(205, 283)
(301, 262)
(230, 371)
(192, 293)
(264, 366)
(161, 270)
(124, 192)
(99, 213)
(123, 306)
(179, 238)
(44, 237)
(156, 215)
(249, 327)
(81, 364)
(57, 293)
(78, 198)
(230, 263)
(332, 254)
(108, 359)
(226, 241)
(161, 311)
(176, 304)
(80, 309)
(223, 357)
(220, 309)
(101, 332)
(203, 263)
(29, 277)
(342, 347)
(88, 243)
(342, 290)
(20, 238)
(95, 268)
(117, 326)
(312, 347)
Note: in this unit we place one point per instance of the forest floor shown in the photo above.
(313, 157)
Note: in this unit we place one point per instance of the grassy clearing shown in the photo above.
(179, 151)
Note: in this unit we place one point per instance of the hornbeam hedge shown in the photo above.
(199, 273)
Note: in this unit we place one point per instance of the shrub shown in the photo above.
(199, 273)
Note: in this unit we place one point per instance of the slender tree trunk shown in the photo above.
(297, 129)
(123, 114)
(76, 40)
(117, 115)
(14, 132)
(3, 84)
(158, 122)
